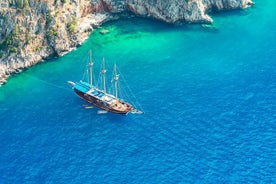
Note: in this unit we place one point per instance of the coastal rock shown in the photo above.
(227, 5)
(32, 30)
(193, 11)
(170, 11)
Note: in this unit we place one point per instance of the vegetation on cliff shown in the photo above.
(31, 30)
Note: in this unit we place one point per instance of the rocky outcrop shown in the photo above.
(171, 10)
(192, 11)
(32, 30)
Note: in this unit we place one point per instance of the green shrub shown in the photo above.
(49, 18)
(53, 32)
(19, 3)
(14, 50)
(2, 54)
(38, 48)
(28, 36)
(71, 26)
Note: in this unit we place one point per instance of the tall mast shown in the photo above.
(116, 78)
(103, 74)
(91, 69)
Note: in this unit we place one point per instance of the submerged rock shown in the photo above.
(104, 31)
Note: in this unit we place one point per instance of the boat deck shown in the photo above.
(110, 100)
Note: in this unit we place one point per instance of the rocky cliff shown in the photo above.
(32, 30)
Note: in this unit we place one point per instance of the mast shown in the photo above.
(91, 69)
(103, 74)
(116, 78)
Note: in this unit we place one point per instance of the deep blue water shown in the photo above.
(209, 97)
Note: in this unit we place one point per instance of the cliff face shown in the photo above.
(31, 30)
(193, 11)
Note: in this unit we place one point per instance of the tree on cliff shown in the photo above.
(19, 3)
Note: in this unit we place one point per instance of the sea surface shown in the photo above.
(208, 97)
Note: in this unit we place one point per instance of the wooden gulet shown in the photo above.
(100, 97)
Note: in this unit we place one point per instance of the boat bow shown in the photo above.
(136, 111)
(71, 83)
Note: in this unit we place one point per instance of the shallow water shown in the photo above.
(208, 97)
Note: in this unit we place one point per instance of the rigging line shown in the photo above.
(98, 81)
(132, 94)
(110, 87)
(85, 74)
(109, 75)
(130, 91)
(85, 66)
(124, 93)
(48, 83)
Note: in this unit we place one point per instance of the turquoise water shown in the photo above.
(208, 97)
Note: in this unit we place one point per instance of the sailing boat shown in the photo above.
(100, 97)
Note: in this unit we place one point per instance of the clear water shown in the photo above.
(208, 97)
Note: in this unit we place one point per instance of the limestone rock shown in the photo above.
(32, 30)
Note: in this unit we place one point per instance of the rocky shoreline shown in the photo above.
(33, 30)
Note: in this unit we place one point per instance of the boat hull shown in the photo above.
(101, 104)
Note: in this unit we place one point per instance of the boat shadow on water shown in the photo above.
(111, 117)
